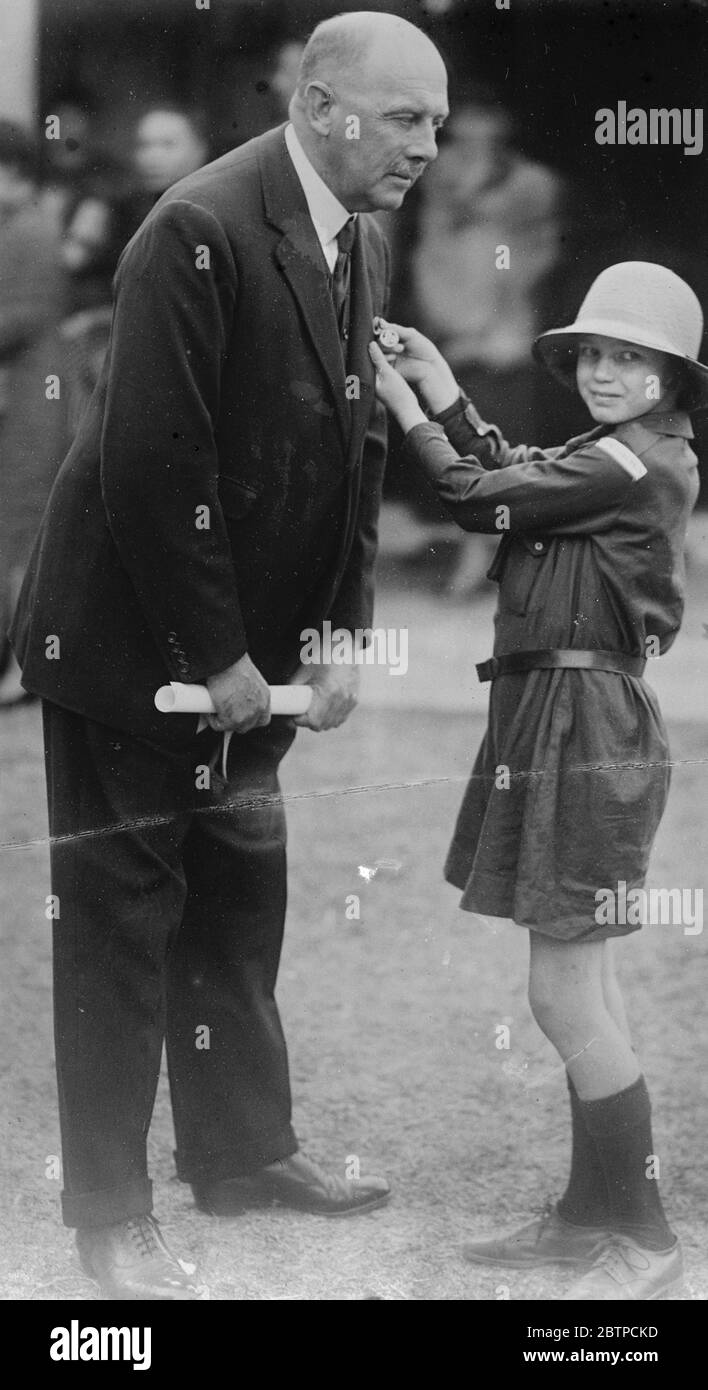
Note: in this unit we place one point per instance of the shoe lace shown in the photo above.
(145, 1236)
(621, 1259)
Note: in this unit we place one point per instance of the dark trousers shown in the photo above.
(171, 907)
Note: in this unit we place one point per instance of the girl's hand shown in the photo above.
(395, 392)
(419, 362)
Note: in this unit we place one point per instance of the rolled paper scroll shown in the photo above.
(195, 699)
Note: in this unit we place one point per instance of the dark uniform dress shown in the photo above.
(591, 557)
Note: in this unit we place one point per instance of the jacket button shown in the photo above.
(538, 545)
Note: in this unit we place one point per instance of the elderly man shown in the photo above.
(221, 496)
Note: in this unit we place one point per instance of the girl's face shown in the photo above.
(619, 381)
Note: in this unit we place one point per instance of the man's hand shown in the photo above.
(335, 690)
(241, 698)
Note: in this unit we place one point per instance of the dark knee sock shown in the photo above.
(585, 1201)
(621, 1128)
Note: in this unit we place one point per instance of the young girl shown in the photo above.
(572, 777)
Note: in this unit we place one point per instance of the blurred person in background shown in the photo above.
(171, 141)
(32, 300)
(85, 199)
(283, 80)
(66, 155)
(488, 233)
(95, 234)
(83, 189)
(100, 224)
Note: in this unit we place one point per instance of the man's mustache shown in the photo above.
(405, 171)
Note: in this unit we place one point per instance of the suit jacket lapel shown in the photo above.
(310, 285)
(303, 263)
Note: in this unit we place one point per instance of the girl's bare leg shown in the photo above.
(568, 1001)
(612, 992)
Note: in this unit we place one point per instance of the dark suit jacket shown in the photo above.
(224, 388)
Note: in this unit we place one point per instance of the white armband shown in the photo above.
(622, 455)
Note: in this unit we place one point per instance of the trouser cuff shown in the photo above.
(109, 1207)
(238, 1162)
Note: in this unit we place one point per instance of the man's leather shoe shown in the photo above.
(627, 1271)
(549, 1240)
(293, 1182)
(131, 1260)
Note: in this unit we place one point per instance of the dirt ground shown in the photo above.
(391, 1024)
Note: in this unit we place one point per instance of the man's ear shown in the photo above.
(319, 103)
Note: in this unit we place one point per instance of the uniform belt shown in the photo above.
(567, 658)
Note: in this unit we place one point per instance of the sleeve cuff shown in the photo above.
(468, 432)
(464, 412)
(451, 411)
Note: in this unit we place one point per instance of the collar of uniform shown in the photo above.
(676, 422)
(326, 211)
(667, 422)
(640, 434)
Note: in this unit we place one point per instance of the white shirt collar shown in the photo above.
(326, 211)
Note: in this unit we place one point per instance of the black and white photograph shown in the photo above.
(353, 662)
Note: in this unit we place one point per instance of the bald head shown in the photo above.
(370, 98)
(347, 45)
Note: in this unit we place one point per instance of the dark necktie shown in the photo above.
(341, 277)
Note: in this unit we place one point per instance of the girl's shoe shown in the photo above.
(548, 1240)
(626, 1270)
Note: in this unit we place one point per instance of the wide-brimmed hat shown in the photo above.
(642, 303)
